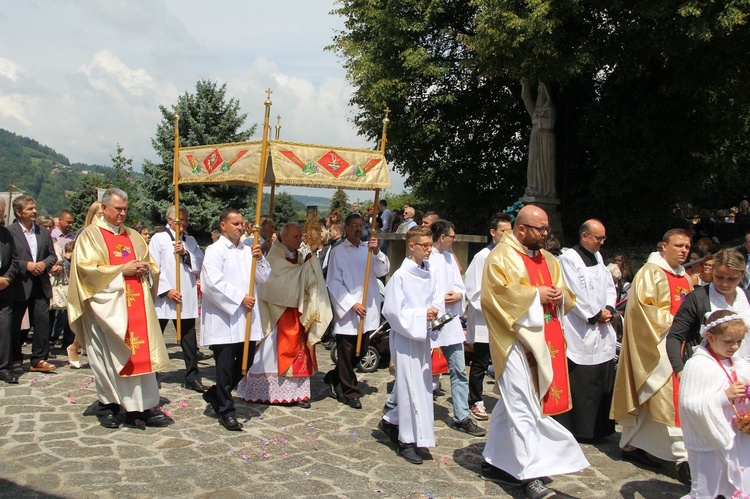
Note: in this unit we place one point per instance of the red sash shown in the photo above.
(439, 362)
(294, 358)
(679, 287)
(120, 250)
(557, 399)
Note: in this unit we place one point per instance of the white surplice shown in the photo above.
(447, 276)
(588, 344)
(225, 280)
(476, 327)
(409, 293)
(346, 280)
(161, 247)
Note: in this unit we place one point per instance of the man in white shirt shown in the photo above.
(448, 280)
(590, 336)
(408, 222)
(225, 282)
(345, 280)
(163, 248)
(476, 327)
(385, 215)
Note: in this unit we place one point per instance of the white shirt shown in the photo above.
(476, 327)
(594, 289)
(346, 281)
(447, 275)
(30, 240)
(225, 280)
(161, 248)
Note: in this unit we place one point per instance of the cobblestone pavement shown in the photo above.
(49, 448)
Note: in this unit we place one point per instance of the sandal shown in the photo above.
(42, 367)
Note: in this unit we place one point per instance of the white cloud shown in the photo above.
(107, 72)
(13, 107)
(9, 69)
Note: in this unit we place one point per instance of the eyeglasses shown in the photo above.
(452, 236)
(424, 246)
(543, 229)
(599, 239)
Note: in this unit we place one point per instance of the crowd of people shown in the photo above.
(576, 344)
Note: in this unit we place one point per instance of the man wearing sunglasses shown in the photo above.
(524, 299)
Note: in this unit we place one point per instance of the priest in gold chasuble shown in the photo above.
(644, 401)
(523, 300)
(113, 282)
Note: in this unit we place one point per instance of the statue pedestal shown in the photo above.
(549, 205)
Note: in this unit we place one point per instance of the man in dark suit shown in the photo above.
(8, 273)
(32, 290)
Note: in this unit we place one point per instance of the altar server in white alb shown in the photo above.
(225, 281)
(346, 280)
(714, 380)
(451, 339)
(412, 300)
(476, 327)
(163, 248)
(591, 339)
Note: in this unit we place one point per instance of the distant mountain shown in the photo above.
(40, 171)
(323, 203)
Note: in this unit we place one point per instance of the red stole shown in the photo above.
(557, 399)
(120, 250)
(294, 358)
(679, 287)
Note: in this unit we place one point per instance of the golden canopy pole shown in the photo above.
(368, 266)
(256, 233)
(10, 202)
(273, 183)
(176, 221)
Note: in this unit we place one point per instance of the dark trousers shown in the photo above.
(343, 373)
(228, 373)
(38, 307)
(6, 344)
(591, 393)
(479, 364)
(189, 345)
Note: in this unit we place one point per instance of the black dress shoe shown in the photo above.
(390, 430)
(203, 356)
(9, 377)
(355, 404)
(230, 423)
(108, 420)
(142, 419)
(210, 397)
(195, 385)
(332, 391)
(304, 404)
(17, 368)
(409, 452)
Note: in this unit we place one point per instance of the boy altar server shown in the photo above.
(411, 301)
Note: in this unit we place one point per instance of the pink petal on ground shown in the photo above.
(183, 403)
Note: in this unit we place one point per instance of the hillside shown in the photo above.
(40, 171)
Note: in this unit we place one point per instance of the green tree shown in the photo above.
(84, 195)
(206, 117)
(340, 201)
(124, 177)
(454, 131)
(284, 209)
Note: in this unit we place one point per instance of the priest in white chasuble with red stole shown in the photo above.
(644, 400)
(295, 311)
(113, 281)
(523, 300)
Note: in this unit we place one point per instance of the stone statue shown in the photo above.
(541, 172)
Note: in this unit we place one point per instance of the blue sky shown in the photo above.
(84, 75)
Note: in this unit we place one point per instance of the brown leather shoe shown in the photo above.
(42, 367)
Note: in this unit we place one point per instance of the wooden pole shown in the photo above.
(9, 209)
(256, 233)
(176, 221)
(273, 184)
(368, 266)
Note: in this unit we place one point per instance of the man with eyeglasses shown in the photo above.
(345, 280)
(523, 300)
(590, 336)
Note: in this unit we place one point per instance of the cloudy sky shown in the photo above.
(83, 75)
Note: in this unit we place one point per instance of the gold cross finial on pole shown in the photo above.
(268, 93)
(387, 112)
(278, 126)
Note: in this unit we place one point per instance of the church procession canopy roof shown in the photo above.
(289, 163)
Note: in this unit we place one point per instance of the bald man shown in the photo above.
(523, 300)
(590, 336)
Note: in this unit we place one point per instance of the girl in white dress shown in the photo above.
(713, 381)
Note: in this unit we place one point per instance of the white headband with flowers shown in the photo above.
(707, 327)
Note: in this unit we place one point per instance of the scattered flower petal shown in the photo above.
(183, 403)
(307, 473)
